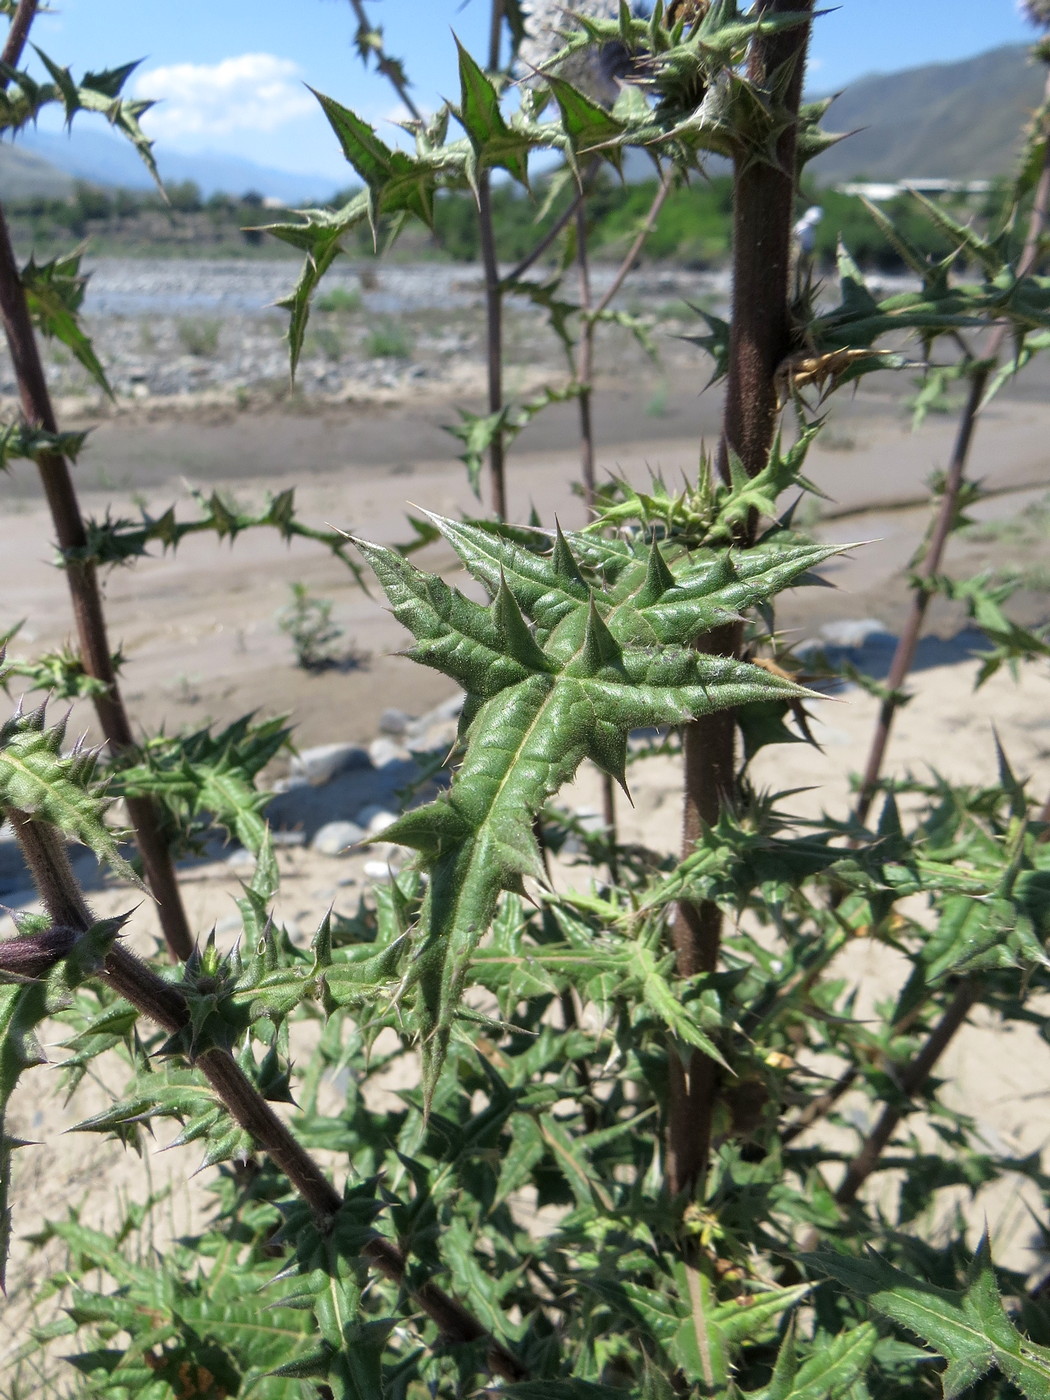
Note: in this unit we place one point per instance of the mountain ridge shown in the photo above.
(100, 159)
(956, 120)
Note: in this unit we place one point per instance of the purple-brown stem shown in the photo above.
(166, 1004)
(585, 388)
(904, 655)
(81, 574)
(760, 338)
(585, 382)
(18, 33)
(914, 1075)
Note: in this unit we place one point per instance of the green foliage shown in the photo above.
(22, 99)
(390, 341)
(54, 292)
(120, 540)
(307, 622)
(539, 1019)
(579, 646)
(341, 299)
(20, 440)
(204, 780)
(38, 778)
(968, 1327)
(199, 337)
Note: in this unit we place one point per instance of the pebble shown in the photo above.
(334, 838)
(380, 870)
(321, 764)
(385, 750)
(395, 722)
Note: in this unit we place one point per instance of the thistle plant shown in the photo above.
(625, 1161)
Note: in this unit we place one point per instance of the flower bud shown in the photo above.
(36, 956)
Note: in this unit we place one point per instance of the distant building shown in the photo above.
(880, 191)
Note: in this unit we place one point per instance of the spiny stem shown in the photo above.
(95, 654)
(166, 1004)
(904, 655)
(760, 338)
(384, 64)
(910, 1081)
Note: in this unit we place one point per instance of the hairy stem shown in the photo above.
(904, 655)
(166, 1004)
(81, 575)
(760, 338)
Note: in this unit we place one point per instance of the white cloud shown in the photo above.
(256, 92)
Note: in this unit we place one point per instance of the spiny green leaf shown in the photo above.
(494, 142)
(828, 1374)
(547, 700)
(54, 291)
(22, 440)
(55, 787)
(968, 1327)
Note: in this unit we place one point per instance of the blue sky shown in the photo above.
(232, 72)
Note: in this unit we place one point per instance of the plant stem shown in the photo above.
(493, 300)
(585, 382)
(493, 343)
(911, 1079)
(630, 257)
(166, 1004)
(585, 361)
(904, 655)
(384, 64)
(545, 242)
(760, 338)
(81, 575)
(18, 33)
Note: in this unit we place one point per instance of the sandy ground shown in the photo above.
(202, 645)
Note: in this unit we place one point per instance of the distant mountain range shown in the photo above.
(955, 120)
(47, 162)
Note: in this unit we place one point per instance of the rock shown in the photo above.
(307, 808)
(288, 838)
(383, 750)
(440, 736)
(395, 722)
(376, 819)
(241, 859)
(321, 764)
(380, 870)
(449, 709)
(336, 837)
(854, 632)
